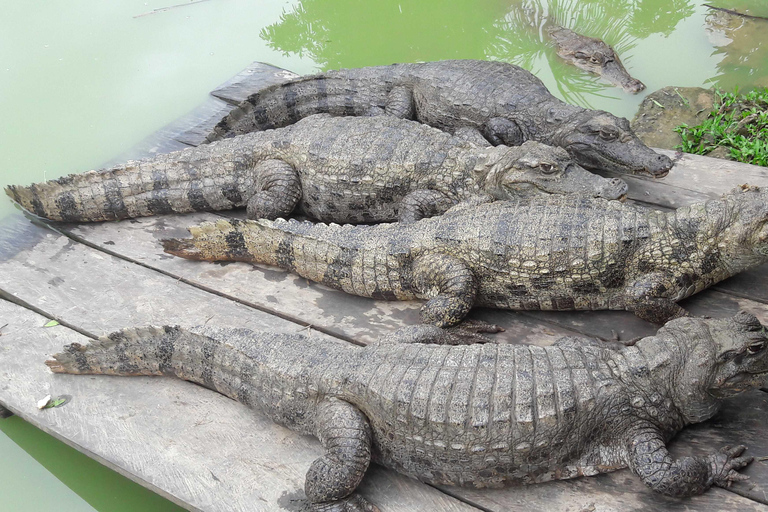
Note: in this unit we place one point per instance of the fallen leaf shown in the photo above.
(52, 323)
(57, 402)
(42, 403)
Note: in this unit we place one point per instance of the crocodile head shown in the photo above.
(599, 140)
(535, 168)
(720, 358)
(595, 56)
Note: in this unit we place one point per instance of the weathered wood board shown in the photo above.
(253, 78)
(110, 275)
(194, 446)
(693, 178)
(334, 311)
(119, 293)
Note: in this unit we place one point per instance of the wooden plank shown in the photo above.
(273, 289)
(304, 300)
(751, 284)
(240, 279)
(255, 77)
(113, 413)
(354, 317)
(619, 491)
(694, 178)
(196, 447)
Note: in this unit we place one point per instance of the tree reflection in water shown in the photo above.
(354, 33)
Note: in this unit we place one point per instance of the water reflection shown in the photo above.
(742, 44)
(509, 30)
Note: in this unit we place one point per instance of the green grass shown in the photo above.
(738, 122)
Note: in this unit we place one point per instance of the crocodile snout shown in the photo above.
(633, 86)
(659, 166)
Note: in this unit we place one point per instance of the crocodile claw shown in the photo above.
(725, 465)
(352, 503)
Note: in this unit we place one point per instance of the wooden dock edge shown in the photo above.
(616, 491)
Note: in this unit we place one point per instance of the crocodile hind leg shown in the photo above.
(502, 131)
(277, 189)
(399, 103)
(450, 286)
(646, 298)
(346, 436)
(423, 203)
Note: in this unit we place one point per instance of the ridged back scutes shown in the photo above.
(515, 403)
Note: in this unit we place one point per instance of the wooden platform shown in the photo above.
(209, 453)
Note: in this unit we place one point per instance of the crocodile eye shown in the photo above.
(581, 55)
(608, 134)
(757, 346)
(546, 168)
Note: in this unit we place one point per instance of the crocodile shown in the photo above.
(478, 415)
(593, 55)
(491, 101)
(335, 169)
(544, 253)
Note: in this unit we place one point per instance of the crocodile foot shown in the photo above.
(352, 503)
(725, 465)
(471, 331)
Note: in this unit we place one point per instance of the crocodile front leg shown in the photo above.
(647, 298)
(450, 286)
(277, 189)
(499, 130)
(688, 476)
(346, 436)
(423, 203)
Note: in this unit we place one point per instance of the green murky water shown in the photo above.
(82, 81)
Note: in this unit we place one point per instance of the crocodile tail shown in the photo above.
(231, 240)
(337, 93)
(85, 197)
(248, 366)
(123, 353)
(133, 189)
(177, 182)
(325, 253)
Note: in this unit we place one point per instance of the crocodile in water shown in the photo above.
(335, 169)
(476, 415)
(593, 55)
(548, 253)
(493, 100)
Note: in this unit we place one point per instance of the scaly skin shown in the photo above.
(479, 415)
(551, 253)
(332, 168)
(593, 55)
(501, 102)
